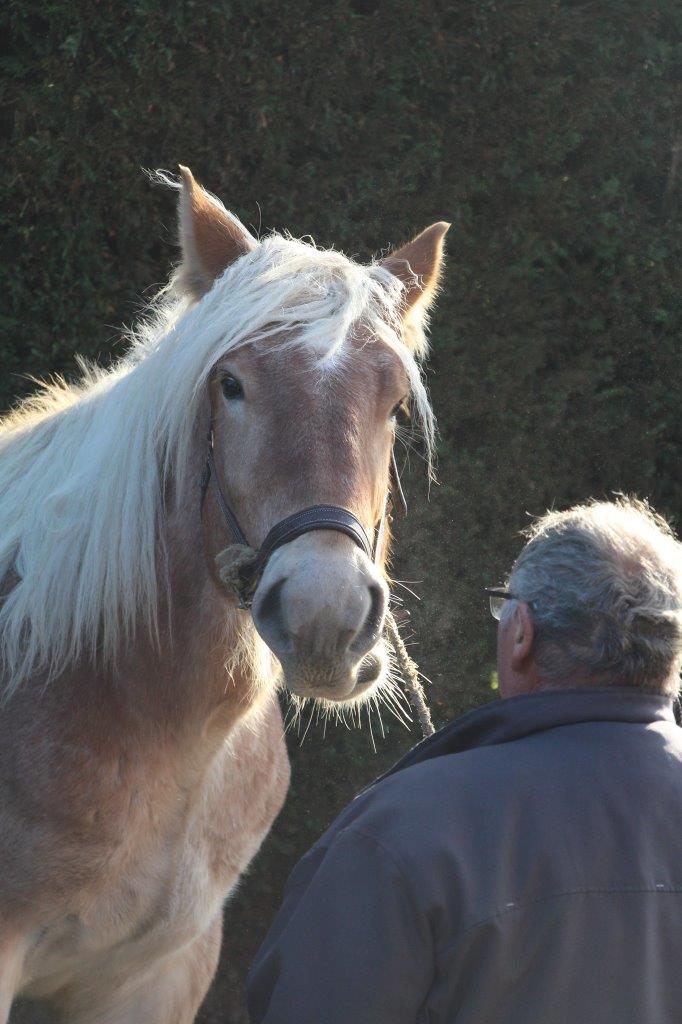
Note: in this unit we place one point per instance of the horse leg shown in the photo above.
(171, 992)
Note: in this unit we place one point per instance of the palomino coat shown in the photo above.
(522, 866)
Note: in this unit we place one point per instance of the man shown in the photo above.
(523, 865)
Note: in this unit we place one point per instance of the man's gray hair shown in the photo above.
(604, 585)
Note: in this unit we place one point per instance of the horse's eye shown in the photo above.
(231, 387)
(400, 412)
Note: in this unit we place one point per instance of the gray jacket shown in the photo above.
(522, 866)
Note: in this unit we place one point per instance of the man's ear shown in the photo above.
(211, 238)
(524, 636)
(418, 264)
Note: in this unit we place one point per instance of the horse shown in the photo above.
(142, 759)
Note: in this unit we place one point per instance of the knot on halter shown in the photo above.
(240, 568)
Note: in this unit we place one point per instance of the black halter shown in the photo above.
(250, 563)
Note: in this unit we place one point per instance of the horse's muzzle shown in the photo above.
(320, 607)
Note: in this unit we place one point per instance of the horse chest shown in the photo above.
(183, 853)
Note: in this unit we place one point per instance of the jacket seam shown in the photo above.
(352, 830)
(419, 910)
(589, 891)
(404, 874)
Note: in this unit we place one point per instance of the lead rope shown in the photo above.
(408, 668)
(410, 674)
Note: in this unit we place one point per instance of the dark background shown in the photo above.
(548, 132)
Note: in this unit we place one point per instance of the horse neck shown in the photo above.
(208, 668)
(209, 649)
(171, 700)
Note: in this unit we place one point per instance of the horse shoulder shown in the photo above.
(247, 790)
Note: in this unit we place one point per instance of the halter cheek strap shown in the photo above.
(228, 515)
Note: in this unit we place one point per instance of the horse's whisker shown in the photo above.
(369, 722)
(375, 702)
(310, 718)
(403, 584)
(395, 709)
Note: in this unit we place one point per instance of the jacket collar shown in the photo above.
(516, 717)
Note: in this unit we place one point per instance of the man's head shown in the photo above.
(597, 601)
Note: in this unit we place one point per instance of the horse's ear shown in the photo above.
(418, 265)
(210, 236)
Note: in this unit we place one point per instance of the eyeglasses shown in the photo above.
(497, 599)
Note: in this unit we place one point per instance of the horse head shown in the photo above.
(302, 416)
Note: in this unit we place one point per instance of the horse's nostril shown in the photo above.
(321, 616)
(368, 634)
(369, 670)
(269, 617)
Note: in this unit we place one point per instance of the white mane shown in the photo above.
(83, 467)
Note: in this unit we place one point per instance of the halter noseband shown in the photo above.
(242, 566)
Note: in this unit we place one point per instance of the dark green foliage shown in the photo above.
(545, 131)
